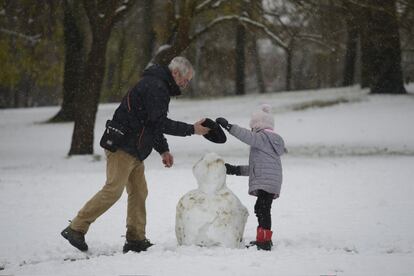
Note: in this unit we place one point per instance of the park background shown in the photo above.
(337, 72)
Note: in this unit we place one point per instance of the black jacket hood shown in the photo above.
(163, 72)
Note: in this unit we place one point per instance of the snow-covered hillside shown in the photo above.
(346, 206)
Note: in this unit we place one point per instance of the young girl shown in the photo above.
(264, 169)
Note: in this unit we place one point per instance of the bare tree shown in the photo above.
(351, 46)
(148, 35)
(257, 64)
(382, 47)
(102, 16)
(240, 59)
(286, 24)
(30, 46)
(74, 40)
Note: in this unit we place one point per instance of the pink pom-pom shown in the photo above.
(266, 108)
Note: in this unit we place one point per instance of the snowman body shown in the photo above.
(211, 215)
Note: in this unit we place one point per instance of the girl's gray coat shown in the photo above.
(265, 168)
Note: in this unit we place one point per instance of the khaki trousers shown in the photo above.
(122, 170)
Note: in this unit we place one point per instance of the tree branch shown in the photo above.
(208, 4)
(315, 39)
(123, 9)
(31, 39)
(275, 38)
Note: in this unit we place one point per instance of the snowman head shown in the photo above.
(210, 173)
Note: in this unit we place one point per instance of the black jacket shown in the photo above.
(143, 111)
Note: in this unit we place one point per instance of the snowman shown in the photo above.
(211, 215)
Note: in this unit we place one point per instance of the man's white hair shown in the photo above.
(182, 64)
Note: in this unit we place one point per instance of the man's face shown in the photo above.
(180, 80)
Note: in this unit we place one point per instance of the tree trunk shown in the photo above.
(88, 98)
(366, 56)
(148, 35)
(102, 16)
(240, 60)
(143, 58)
(258, 67)
(351, 51)
(27, 86)
(122, 44)
(178, 39)
(289, 59)
(382, 48)
(74, 63)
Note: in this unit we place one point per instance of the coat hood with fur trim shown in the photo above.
(163, 72)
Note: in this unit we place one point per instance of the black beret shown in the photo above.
(216, 133)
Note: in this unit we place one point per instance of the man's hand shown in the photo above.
(199, 129)
(167, 159)
(224, 123)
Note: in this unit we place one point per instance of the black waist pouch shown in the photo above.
(113, 136)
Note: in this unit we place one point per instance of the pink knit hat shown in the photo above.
(262, 118)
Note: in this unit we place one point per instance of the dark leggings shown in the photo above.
(262, 209)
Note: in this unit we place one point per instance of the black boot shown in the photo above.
(267, 245)
(77, 239)
(136, 245)
(264, 245)
(264, 239)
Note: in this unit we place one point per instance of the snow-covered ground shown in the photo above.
(346, 206)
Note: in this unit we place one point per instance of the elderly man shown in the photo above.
(138, 126)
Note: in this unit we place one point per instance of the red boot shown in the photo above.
(264, 239)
